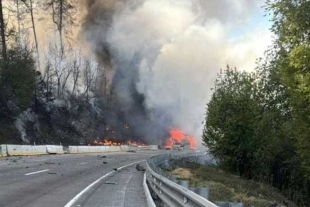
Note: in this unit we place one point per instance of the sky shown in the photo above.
(250, 39)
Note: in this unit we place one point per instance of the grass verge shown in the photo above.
(227, 187)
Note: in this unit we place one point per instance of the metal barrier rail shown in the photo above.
(169, 192)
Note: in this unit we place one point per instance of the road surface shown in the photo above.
(73, 180)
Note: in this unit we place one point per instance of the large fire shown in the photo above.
(109, 142)
(177, 136)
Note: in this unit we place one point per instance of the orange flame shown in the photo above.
(135, 143)
(109, 142)
(106, 142)
(177, 136)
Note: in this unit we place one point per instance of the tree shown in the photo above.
(257, 124)
(229, 131)
(291, 25)
(292, 47)
(2, 32)
(29, 5)
(76, 69)
(251, 129)
(59, 66)
(18, 77)
(48, 81)
(62, 12)
(89, 76)
(18, 17)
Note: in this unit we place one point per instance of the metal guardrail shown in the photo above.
(169, 192)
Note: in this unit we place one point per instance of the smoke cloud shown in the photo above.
(163, 55)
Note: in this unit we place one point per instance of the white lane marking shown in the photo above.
(37, 172)
(70, 204)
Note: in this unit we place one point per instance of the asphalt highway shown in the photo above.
(73, 180)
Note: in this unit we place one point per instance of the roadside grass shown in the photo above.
(227, 187)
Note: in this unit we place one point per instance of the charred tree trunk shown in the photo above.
(60, 27)
(2, 28)
(30, 8)
(34, 33)
(18, 20)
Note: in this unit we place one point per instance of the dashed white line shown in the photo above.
(37, 172)
(70, 204)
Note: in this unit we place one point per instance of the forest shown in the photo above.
(257, 123)
(51, 88)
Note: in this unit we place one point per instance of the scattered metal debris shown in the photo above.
(49, 163)
(14, 160)
(110, 183)
(99, 157)
(140, 168)
(52, 173)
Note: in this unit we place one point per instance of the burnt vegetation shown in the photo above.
(52, 93)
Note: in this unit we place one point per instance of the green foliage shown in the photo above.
(230, 123)
(251, 129)
(8, 132)
(291, 25)
(258, 124)
(18, 77)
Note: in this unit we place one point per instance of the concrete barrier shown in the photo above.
(3, 151)
(144, 147)
(83, 149)
(129, 148)
(98, 149)
(54, 149)
(93, 149)
(153, 147)
(20, 150)
(114, 149)
(73, 150)
(125, 148)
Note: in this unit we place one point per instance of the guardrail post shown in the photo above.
(169, 192)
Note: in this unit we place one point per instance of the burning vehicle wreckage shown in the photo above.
(177, 140)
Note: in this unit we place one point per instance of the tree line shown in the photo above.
(40, 73)
(258, 123)
(56, 67)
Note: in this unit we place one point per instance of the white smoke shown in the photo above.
(183, 44)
